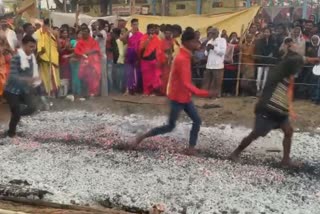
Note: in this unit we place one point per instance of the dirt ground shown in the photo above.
(236, 111)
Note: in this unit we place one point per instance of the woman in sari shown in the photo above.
(167, 50)
(64, 51)
(150, 53)
(134, 78)
(74, 66)
(5, 58)
(247, 68)
(88, 50)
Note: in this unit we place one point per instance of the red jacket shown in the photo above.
(180, 87)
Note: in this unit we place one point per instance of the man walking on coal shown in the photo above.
(23, 78)
(180, 90)
(274, 106)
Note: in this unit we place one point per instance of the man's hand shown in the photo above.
(210, 47)
(42, 51)
(213, 94)
(293, 114)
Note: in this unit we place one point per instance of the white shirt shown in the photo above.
(102, 42)
(216, 56)
(12, 39)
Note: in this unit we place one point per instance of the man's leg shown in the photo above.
(287, 141)
(175, 109)
(207, 79)
(262, 127)
(243, 145)
(14, 105)
(29, 101)
(219, 80)
(192, 112)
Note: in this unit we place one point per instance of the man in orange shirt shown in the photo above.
(180, 90)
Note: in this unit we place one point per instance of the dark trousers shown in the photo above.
(15, 103)
(175, 109)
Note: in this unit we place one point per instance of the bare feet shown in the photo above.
(290, 164)
(190, 151)
(139, 139)
(234, 156)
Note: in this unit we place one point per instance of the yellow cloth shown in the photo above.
(50, 82)
(47, 41)
(122, 51)
(231, 22)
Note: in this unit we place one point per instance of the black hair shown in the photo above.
(102, 23)
(83, 25)
(26, 25)
(189, 28)
(27, 38)
(47, 22)
(168, 28)
(66, 26)
(150, 26)
(163, 27)
(116, 32)
(188, 35)
(177, 28)
(134, 20)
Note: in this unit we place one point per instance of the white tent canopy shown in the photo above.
(70, 18)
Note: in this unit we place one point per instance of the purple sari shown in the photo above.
(133, 71)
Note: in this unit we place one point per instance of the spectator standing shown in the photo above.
(100, 35)
(215, 50)
(264, 57)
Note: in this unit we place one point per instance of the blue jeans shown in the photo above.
(175, 109)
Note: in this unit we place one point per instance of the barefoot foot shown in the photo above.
(289, 164)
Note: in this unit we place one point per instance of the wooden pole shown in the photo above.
(240, 59)
(50, 34)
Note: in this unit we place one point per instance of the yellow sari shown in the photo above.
(49, 60)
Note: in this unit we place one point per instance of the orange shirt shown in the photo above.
(180, 87)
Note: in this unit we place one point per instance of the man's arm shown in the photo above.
(185, 75)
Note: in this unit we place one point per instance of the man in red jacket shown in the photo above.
(180, 90)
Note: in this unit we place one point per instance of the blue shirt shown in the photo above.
(14, 84)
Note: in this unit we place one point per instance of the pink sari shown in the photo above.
(150, 53)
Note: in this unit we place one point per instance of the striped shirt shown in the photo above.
(274, 98)
(14, 84)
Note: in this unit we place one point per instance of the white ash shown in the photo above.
(69, 154)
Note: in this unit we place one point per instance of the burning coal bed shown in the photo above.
(74, 156)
